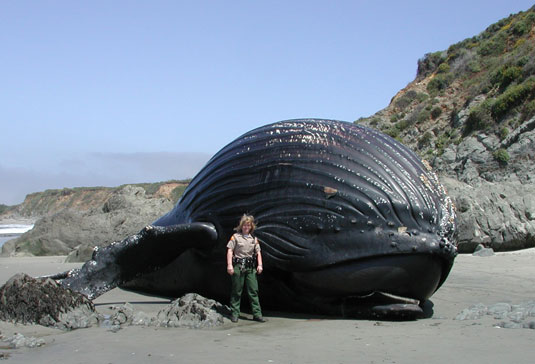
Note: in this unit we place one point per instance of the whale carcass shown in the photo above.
(348, 219)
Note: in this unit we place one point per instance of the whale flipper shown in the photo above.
(152, 248)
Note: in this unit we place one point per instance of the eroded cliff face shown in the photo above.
(74, 222)
(47, 203)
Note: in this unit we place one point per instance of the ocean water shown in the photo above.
(12, 231)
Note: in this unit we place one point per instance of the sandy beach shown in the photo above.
(285, 338)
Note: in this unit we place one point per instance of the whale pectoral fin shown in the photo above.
(152, 248)
(401, 311)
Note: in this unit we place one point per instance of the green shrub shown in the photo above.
(519, 43)
(438, 83)
(429, 63)
(505, 75)
(441, 143)
(520, 28)
(529, 110)
(512, 97)
(405, 100)
(474, 66)
(522, 61)
(530, 19)
(501, 156)
(443, 68)
(374, 121)
(494, 46)
(421, 96)
(402, 125)
(425, 139)
(392, 131)
(479, 117)
(435, 113)
(424, 115)
(504, 132)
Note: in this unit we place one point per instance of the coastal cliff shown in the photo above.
(74, 221)
(470, 112)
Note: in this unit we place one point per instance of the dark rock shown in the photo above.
(28, 300)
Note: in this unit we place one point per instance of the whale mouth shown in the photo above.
(413, 276)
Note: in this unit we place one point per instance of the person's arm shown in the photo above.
(260, 266)
(230, 267)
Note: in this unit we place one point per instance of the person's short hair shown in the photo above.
(246, 218)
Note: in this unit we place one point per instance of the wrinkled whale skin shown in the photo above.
(343, 212)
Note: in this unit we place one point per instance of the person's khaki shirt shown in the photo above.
(243, 246)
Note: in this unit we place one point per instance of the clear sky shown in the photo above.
(112, 92)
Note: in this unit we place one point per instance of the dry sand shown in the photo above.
(505, 277)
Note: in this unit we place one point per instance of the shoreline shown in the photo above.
(503, 277)
(13, 228)
(10, 220)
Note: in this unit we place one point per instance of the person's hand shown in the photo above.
(230, 270)
(259, 269)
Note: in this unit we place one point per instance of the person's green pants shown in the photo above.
(247, 276)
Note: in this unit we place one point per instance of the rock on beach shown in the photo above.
(28, 300)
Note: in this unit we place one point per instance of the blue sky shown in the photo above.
(112, 92)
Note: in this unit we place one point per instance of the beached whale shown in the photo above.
(348, 219)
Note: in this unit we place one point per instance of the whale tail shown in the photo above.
(152, 248)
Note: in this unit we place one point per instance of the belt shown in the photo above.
(245, 262)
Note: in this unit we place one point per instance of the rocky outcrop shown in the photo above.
(499, 215)
(493, 198)
(28, 300)
(76, 233)
(475, 159)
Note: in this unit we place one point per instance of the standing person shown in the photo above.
(244, 262)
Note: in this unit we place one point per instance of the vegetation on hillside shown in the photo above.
(482, 84)
(3, 208)
(83, 198)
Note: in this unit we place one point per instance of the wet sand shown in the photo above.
(285, 338)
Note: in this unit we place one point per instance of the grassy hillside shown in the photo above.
(482, 84)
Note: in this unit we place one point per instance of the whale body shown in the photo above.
(348, 218)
